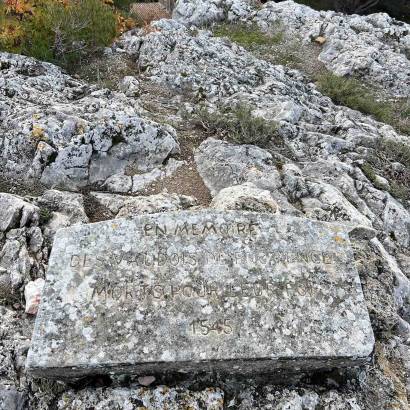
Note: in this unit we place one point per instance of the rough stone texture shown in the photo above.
(59, 131)
(128, 206)
(222, 165)
(199, 12)
(320, 146)
(233, 292)
(10, 399)
(246, 197)
(20, 243)
(314, 170)
(16, 213)
(139, 397)
(373, 47)
(123, 184)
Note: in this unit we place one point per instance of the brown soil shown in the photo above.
(94, 210)
(21, 187)
(186, 180)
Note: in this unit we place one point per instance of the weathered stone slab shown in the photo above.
(188, 291)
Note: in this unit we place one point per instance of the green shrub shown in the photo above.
(381, 161)
(64, 34)
(395, 151)
(368, 171)
(125, 4)
(351, 93)
(236, 124)
(45, 215)
(247, 36)
(354, 94)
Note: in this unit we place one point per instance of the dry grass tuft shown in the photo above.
(145, 13)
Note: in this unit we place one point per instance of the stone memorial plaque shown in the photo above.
(200, 291)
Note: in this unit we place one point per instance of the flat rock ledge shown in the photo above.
(232, 292)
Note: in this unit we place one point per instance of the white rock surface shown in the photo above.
(199, 12)
(130, 86)
(146, 380)
(246, 197)
(21, 247)
(313, 170)
(60, 131)
(127, 206)
(32, 294)
(61, 209)
(373, 47)
(154, 399)
(16, 213)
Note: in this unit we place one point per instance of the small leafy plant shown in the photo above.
(248, 36)
(354, 94)
(236, 124)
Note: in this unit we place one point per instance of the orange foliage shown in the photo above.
(19, 7)
(16, 12)
(124, 24)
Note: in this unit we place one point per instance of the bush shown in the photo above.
(351, 93)
(236, 124)
(354, 94)
(124, 4)
(247, 36)
(58, 32)
(383, 160)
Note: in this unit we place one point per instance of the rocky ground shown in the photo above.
(73, 152)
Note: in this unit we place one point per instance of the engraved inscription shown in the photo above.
(205, 327)
(193, 291)
(189, 291)
(201, 229)
(172, 258)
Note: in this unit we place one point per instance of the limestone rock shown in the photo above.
(61, 209)
(21, 247)
(128, 206)
(245, 197)
(61, 132)
(130, 86)
(146, 380)
(16, 213)
(396, 221)
(141, 397)
(331, 205)
(222, 165)
(136, 182)
(373, 47)
(242, 266)
(198, 12)
(11, 399)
